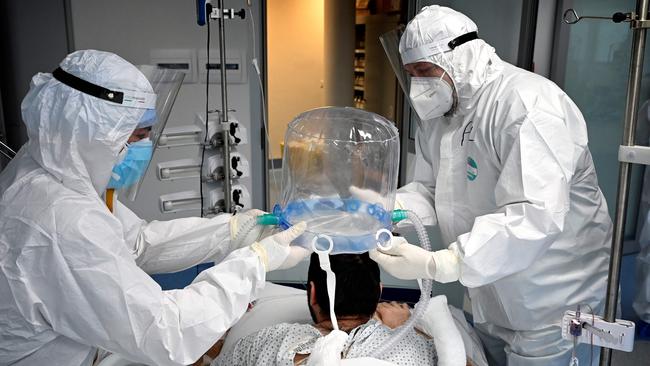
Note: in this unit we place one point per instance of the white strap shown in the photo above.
(324, 259)
(138, 99)
(426, 50)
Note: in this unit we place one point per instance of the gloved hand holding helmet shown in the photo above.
(244, 229)
(410, 262)
(275, 251)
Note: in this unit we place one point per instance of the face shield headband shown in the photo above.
(125, 98)
(434, 48)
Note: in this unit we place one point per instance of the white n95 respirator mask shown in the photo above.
(431, 97)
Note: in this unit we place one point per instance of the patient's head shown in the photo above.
(357, 287)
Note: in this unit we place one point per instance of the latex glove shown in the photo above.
(370, 196)
(274, 251)
(296, 255)
(410, 262)
(236, 222)
(405, 261)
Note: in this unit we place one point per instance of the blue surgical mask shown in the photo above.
(132, 167)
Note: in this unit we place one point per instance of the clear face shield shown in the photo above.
(423, 74)
(390, 42)
(134, 160)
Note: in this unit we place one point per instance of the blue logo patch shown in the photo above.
(472, 169)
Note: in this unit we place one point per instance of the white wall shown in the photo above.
(132, 29)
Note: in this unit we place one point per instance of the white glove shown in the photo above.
(236, 222)
(405, 261)
(274, 251)
(410, 262)
(296, 255)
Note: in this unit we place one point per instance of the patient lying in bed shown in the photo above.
(357, 296)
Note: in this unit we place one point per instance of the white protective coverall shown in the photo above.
(72, 274)
(515, 194)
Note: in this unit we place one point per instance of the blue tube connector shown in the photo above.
(268, 220)
(399, 215)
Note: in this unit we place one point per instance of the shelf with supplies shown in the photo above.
(374, 85)
(360, 65)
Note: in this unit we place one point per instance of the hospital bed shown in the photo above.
(283, 304)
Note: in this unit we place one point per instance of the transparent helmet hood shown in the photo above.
(340, 169)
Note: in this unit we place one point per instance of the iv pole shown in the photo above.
(205, 13)
(639, 24)
(628, 152)
(227, 179)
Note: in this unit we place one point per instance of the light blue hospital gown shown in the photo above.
(278, 345)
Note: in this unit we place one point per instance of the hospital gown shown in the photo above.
(280, 343)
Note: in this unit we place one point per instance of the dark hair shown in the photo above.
(357, 284)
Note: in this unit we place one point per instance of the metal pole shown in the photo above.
(11, 153)
(527, 33)
(631, 109)
(227, 183)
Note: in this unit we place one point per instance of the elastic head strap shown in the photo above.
(462, 39)
(434, 48)
(324, 260)
(125, 98)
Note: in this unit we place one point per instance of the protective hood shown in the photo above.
(471, 65)
(74, 136)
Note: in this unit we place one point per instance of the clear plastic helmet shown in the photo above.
(340, 170)
(419, 55)
(127, 176)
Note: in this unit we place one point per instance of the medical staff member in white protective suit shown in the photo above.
(503, 168)
(73, 275)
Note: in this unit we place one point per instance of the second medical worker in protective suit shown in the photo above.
(502, 156)
(73, 275)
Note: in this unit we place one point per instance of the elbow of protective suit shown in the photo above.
(500, 245)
